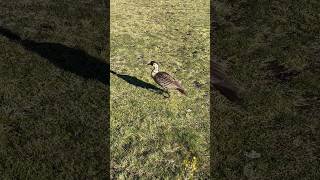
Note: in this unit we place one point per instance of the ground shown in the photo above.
(53, 112)
(272, 51)
(152, 136)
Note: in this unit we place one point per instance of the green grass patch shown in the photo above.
(152, 136)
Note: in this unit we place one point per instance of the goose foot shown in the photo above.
(166, 97)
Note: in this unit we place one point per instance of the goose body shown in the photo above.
(165, 80)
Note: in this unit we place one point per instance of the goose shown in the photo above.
(165, 80)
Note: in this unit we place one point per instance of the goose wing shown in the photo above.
(166, 80)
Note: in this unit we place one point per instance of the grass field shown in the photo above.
(152, 136)
(53, 94)
(272, 50)
(54, 90)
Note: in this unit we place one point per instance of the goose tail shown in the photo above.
(182, 91)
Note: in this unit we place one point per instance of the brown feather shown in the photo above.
(182, 91)
(166, 81)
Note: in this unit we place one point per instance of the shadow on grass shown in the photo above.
(69, 59)
(138, 83)
(75, 61)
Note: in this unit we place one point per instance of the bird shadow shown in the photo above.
(75, 61)
(138, 83)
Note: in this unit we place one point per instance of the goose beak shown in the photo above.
(149, 63)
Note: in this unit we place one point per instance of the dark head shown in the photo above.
(152, 63)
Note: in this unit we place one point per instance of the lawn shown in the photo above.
(152, 136)
(54, 91)
(271, 49)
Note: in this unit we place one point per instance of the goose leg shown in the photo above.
(167, 94)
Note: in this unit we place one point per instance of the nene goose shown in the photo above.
(220, 82)
(165, 80)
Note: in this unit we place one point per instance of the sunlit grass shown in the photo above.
(152, 136)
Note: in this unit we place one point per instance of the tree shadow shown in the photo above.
(75, 61)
